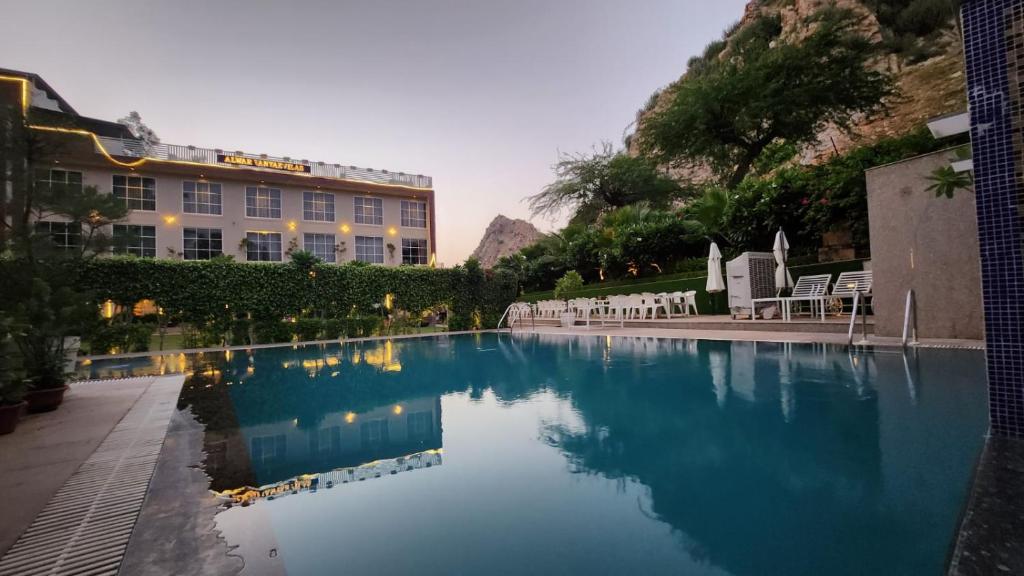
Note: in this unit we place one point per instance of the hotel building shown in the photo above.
(195, 203)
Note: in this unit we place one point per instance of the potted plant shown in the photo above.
(47, 318)
(12, 383)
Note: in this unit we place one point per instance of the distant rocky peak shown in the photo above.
(504, 236)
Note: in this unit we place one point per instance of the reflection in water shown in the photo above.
(600, 454)
(282, 420)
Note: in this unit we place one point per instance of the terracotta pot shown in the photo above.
(9, 415)
(45, 400)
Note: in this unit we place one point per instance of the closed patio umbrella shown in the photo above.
(718, 364)
(781, 249)
(715, 281)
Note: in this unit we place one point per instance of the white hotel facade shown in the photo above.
(197, 203)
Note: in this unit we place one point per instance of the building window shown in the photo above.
(414, 214)
(56, 179)
(262, 202)
(66, 235)
(321, 245)
(369, 211)
(133, 239)
(138, 192)
(200, 198)
(263, 246)
(202, 243)
(374, 433)
(370, 249)
(318, 206)
(269, 449)
(414, 251)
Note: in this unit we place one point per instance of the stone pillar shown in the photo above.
(994, 54)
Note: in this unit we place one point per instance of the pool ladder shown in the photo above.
(858, 306)
(515, 312)
(910, 312)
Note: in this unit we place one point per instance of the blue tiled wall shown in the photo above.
(994, 50)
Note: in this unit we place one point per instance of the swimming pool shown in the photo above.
(548, 454)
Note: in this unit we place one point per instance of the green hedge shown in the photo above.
(706, 303)
(215, 295)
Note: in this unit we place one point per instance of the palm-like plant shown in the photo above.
(706, 215)
(946, 181)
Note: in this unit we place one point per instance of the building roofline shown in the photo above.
(367, 175)
(43, 85)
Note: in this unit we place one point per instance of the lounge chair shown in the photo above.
(812, 289)
(848, 284)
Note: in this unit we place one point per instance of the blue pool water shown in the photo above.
(493, 454)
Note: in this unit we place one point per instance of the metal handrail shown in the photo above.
(503, 315)
(857, 297)
(910, 310)
(512, 312)
(175, 152)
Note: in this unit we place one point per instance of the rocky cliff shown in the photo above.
(504, 236)
(928, 69)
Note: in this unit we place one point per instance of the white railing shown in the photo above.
(128, 148)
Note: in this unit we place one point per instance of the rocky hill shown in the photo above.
(504, 236)
(927, 66)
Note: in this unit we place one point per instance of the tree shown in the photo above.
(592, 184)
(764, 89)
(514, 264)
(41, 298)
(139, 129)
(570, 282)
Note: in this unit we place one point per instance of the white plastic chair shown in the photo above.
(648, 303)
(690, 302)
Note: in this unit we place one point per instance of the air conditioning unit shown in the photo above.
(750, 275)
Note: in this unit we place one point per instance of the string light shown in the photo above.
(25, 103)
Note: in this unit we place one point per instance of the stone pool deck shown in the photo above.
(46, 449)
(78, 485)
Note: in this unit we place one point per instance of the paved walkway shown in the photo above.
(46, 449)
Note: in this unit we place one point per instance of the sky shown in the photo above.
(480, 95)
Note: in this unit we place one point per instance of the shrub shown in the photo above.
(202, 335)
(334, 328)
(570, 282)
(922, 17)
(272, 331)
(306, 329)
(210, 295)
(240, 332)
(362, 326)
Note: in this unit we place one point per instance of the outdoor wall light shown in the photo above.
(170, 219)
(345, 228)
(392, 231)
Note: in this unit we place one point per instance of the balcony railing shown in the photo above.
(137, 149)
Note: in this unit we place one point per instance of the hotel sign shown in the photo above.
(264, 163)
